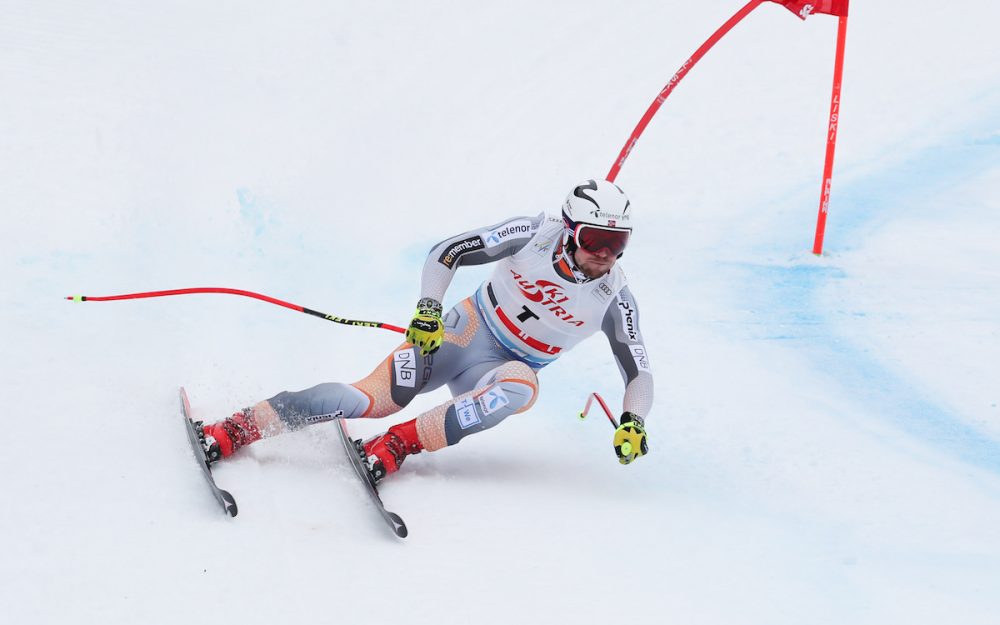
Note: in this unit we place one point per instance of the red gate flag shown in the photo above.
(805, 8)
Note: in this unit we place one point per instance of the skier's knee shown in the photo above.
(479, 410)
(508, 394)
(517, 384)
(519, 394)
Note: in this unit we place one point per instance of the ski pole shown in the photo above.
(626, 446)
(263, 298)
(600, 400)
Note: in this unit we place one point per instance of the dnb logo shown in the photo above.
(640, 357)
(405, 365)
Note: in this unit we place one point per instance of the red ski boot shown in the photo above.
(386, 452)
(222, 439)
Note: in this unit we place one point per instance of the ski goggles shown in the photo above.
(596, 238)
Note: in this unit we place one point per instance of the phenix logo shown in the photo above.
(628, 322)
(806, 11)
(548, 294)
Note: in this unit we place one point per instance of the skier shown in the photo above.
(555, 283)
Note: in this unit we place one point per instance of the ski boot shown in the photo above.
(222, 439)
(383, 454)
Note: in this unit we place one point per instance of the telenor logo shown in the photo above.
(493, 400)
(515, 230)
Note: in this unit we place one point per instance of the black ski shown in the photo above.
(225, 499)
(356, 455)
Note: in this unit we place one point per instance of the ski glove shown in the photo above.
(630, 438)
(426, 331)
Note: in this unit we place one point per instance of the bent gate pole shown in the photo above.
(685, 68)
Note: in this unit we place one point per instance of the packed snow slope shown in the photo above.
(825, 442)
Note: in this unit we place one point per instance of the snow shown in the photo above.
(825, 443)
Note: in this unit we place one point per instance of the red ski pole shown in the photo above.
(263, 298)
(600, 400)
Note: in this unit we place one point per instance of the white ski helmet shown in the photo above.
(596, 214)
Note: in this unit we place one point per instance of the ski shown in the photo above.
(224, 498)
(356, 454)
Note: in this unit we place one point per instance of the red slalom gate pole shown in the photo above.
(831, 139)
(251, 294)
(685, 68)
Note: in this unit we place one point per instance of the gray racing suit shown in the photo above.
(534, 307)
